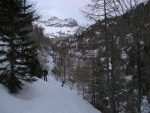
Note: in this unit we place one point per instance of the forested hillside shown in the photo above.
(109, 62)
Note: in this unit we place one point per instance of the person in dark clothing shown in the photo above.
(45, 73)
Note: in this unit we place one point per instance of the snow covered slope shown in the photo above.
(43, 97)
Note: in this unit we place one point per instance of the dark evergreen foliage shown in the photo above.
(18, 51)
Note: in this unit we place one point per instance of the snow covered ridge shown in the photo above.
(55, 27)
(56, 22)
(44, 97)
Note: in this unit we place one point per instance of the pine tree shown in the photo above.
(19, 53)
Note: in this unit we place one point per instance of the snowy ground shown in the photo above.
(44, 97)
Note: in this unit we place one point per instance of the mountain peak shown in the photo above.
(56, 27)
(57, 22)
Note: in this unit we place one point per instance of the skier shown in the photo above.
(45, 73)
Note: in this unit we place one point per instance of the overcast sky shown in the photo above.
(61, 9)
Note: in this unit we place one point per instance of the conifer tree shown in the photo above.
(19, 52)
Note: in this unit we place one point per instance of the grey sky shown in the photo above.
(61, 9)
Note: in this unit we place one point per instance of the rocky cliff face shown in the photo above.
(56, 22)
(56, 27)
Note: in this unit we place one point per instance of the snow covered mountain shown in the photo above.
(56, 27)
(56, 22)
